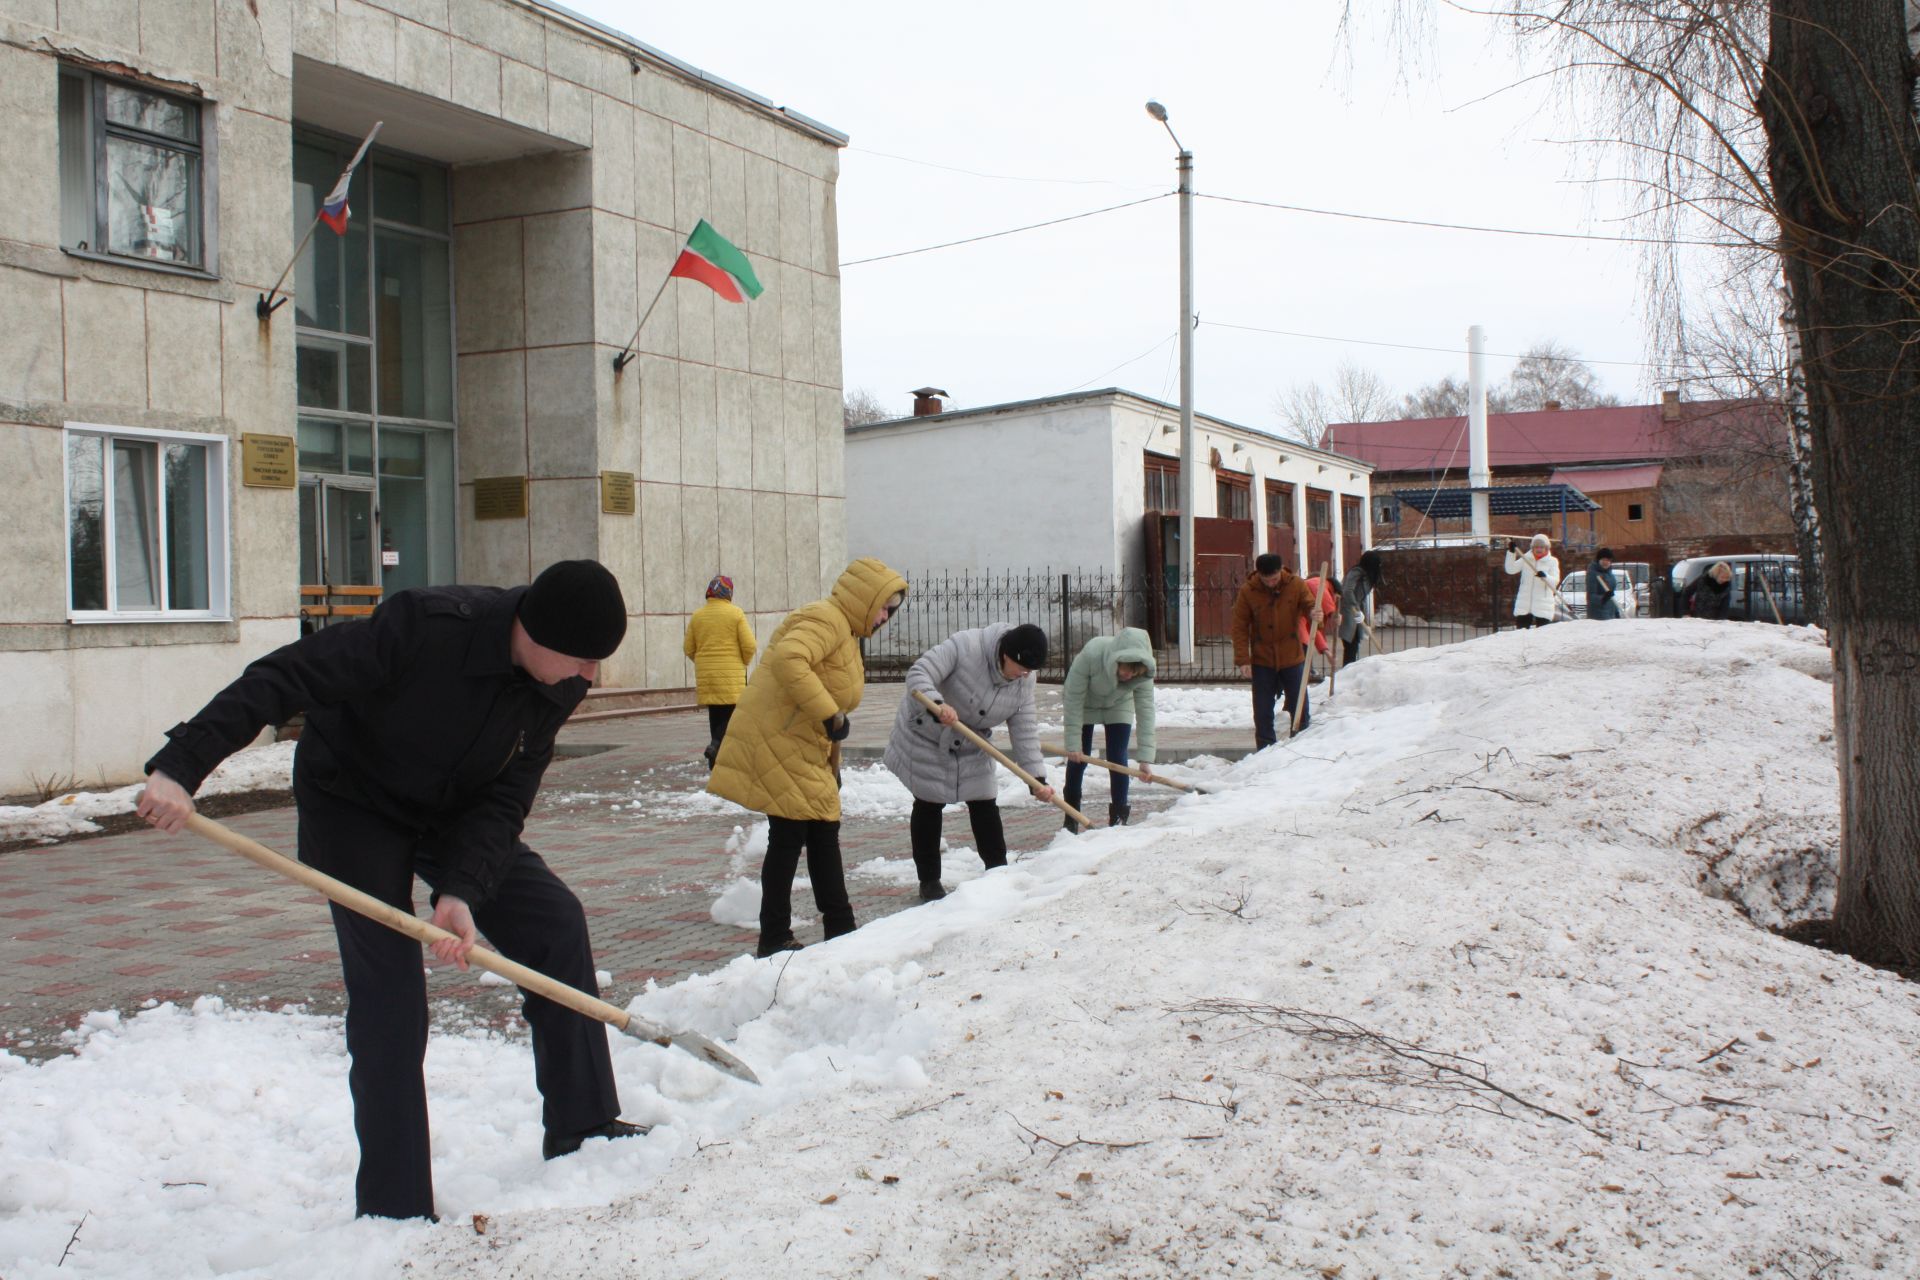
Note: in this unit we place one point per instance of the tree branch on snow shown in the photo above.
(1034, 1139)
(1396, 1064)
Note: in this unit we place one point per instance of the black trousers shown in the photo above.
(1350, 649)
(534, 919)
(718, 714)
(1277, 682)
(786, 838)
(989, 837)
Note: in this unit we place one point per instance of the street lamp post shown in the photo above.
(1189, 465)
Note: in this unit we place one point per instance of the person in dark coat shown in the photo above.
(1272, 605)
(1601, 588)
(1709, 594)
(1356, 604)
(428, 728)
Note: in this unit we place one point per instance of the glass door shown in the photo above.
(337, 534)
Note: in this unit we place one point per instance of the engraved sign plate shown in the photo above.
(500, 498)
(616, 493)
(267, 462)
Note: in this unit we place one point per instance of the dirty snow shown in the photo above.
(263, 768)
(1164, 1049)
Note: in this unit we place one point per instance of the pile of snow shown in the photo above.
(1435, 990)
(264, 768)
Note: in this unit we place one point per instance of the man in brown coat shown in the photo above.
(1267, 615)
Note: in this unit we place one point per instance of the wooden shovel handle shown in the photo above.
(405, 922)
(1131, 772)
(1002, 757)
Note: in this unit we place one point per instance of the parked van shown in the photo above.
(1748, 600)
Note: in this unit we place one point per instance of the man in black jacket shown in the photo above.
(428, 729)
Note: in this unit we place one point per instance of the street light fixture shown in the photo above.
(1188, 463)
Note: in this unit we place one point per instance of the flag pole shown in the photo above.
(627, 354)
(266, 306)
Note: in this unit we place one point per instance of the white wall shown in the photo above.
(1014, 492)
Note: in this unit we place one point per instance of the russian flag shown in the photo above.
(333, 210)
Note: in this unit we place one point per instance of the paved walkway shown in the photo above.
(121, 922)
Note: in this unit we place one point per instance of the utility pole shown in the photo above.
(1189, 464)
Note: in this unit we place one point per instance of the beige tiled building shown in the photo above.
(180, 466)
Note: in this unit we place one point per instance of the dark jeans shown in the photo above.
(1118, 736)
(533, 918)
(717, 717)
(786, 837)
(989, 837)
(1277, 682)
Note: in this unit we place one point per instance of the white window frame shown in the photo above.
(219, 551)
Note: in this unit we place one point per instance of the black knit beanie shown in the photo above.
(1026, 644)
(575, 608)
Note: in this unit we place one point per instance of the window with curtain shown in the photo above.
(146, 525)
(132, 169)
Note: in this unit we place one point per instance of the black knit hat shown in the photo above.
(1026, 644)
(575, 608)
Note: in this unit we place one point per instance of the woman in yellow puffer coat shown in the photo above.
(720, 643)
(779, 754)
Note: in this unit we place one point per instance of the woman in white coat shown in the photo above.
(979, 678)
(1539, 578)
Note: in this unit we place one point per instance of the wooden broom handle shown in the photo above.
(1001, 756)
(406, 922)
(1119, 768)
(1306, 665)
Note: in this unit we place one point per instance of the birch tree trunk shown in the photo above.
(1837, 106)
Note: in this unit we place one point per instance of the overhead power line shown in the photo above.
(994, 235)
(1467, 226)
(1452, 351)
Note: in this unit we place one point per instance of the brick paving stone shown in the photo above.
(647, 878)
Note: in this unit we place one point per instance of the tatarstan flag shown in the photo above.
(711, 259)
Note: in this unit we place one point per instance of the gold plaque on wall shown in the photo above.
(500, 498)
(616, 493)
(268, 462)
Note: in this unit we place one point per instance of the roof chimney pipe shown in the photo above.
(926, 402)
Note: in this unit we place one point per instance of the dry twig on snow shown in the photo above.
(1397, 1064)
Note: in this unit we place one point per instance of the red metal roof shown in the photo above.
(1553, 437)
(1609, 479)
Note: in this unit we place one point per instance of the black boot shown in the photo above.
(932, 891)
(1117, 814)
(713, 749)
(838, 923)
(555, 1145)
(769, 947)
(1072, 827)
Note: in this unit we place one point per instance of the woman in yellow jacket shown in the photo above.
(721, 645)
(779, 756)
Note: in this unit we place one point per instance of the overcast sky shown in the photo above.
(1043, 103)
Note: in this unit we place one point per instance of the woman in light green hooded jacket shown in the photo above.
(1110, 683)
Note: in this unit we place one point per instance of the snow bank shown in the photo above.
(1159, 1049)
(265, 768)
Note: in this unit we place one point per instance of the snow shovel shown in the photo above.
(1768, 588)
(518, 974)
(1054, 749)
(1306, 667)
(997, 754)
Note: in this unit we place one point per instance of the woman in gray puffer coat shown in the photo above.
(981, 678)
